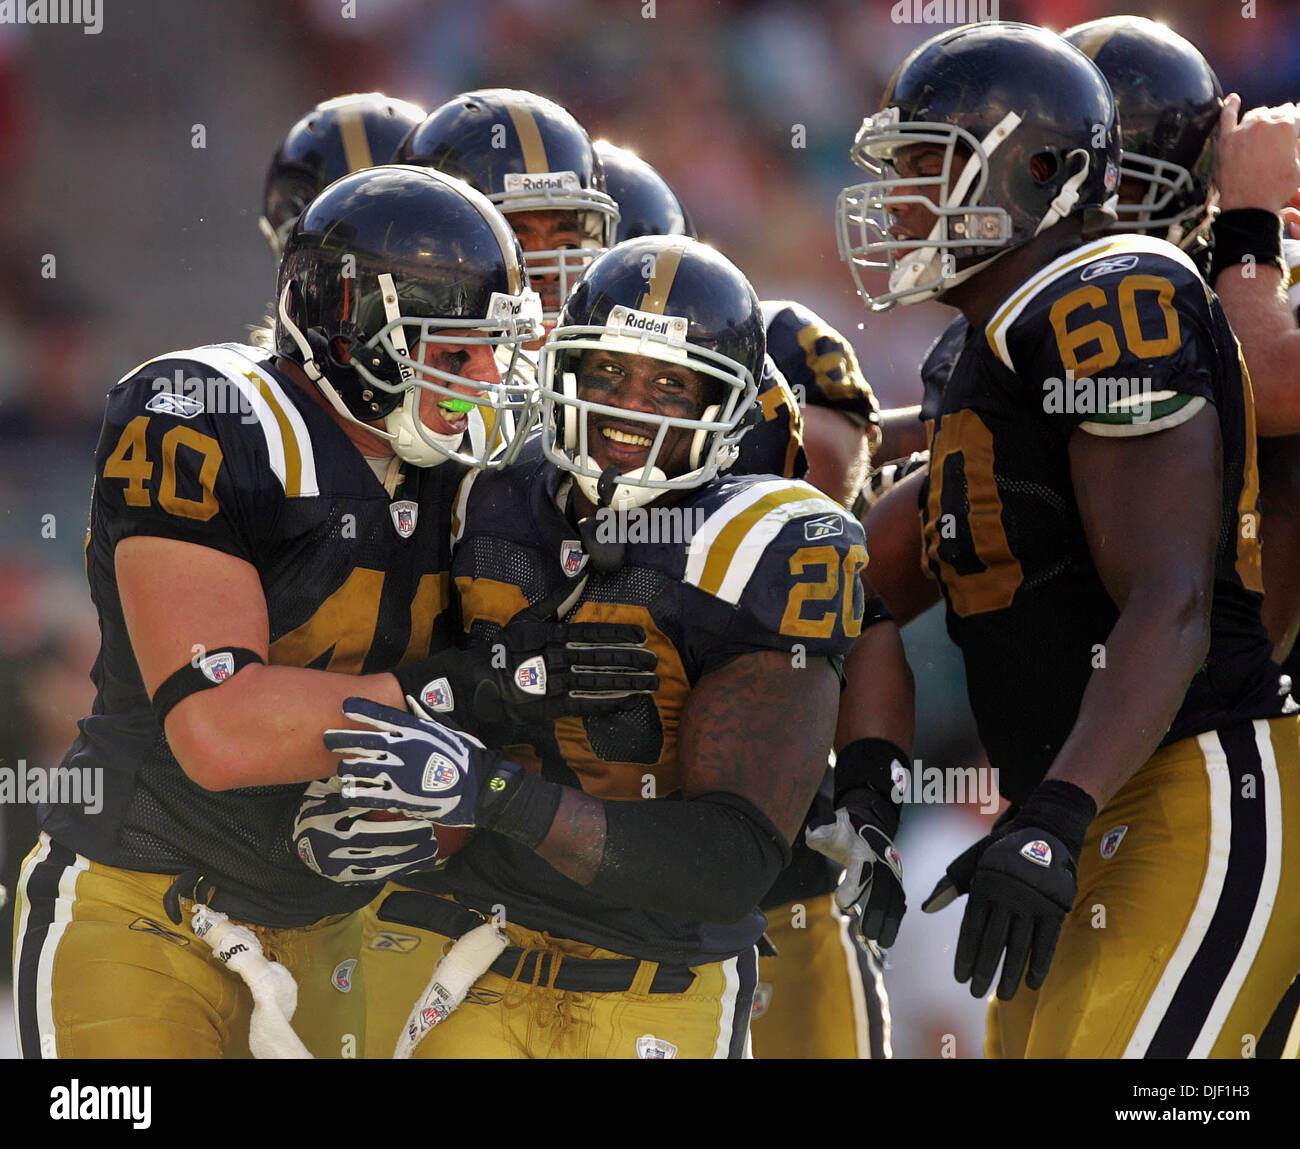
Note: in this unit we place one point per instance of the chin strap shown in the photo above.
(1068, 196)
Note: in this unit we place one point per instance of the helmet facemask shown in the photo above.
(715, 434)
(964, 227)
(596, 216)
(1169, 208)
(389, 371)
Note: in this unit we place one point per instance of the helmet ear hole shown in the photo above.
(1043, 166)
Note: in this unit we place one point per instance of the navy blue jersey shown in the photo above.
(215, 447)
(819, 364)
(740, 565)
(1118, 337)
(774, 446)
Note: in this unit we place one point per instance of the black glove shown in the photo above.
(1022, 880)
(868, 786)
(534, 672)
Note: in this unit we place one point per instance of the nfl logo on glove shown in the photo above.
(436, 696)
(531, 676)
(1037, 851)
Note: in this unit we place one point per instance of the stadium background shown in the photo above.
(748, 108)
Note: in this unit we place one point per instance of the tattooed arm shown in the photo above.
(753, 743)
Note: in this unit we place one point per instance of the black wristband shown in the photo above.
(868, 763)
(1061, 808)
(214, 668)
(1246, 231)
(518, 805)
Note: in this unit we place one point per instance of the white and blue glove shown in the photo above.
(334, 838)
(411, 765)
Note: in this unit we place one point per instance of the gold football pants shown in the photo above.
(823, 995)
(1186, 931)
(525, 1015)
(101, 972)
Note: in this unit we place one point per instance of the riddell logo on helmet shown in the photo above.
(624, 319)
(542, 181)
(943, 11)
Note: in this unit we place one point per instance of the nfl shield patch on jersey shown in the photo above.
(1111, 839)
(342, 975)
(404, 512)
(651, 1048)
(572, 557)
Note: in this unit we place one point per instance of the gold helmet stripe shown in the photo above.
(356, 145)
(530, 137)
(1092, 42)
(661, 279)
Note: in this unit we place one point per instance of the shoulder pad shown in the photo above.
(787, 555)
(817, 361)
(220, 387)
(1117, 336)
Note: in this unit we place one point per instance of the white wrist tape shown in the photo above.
(275, 993)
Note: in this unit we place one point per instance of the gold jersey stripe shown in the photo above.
(661, 279)
(356, 144)
(530, 138)
(730, 538)
(292, 457)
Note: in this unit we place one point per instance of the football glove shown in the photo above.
(535, 672)
(334, 838)
(1022, 880)
(410, 765)
(869, 780)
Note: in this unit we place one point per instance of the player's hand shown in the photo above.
(535, 672)
(337, 840)
(861, 841)
(1022, 879)
(410, 765)
(869, 781)
(885, 476)
(1020, 896)
(1257, 163)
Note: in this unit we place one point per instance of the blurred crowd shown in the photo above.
(130, 188)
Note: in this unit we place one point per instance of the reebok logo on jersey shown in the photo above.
(169, 403)
(394, 943)
(1109, 266)
(1111, 839)
(1038, 852)
(440, 773)
(823, 527)
(72, 1102)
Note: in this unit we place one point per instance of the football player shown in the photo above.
(532, 159)
(822, 994)
(1090, 516)
(626, 856)
(269, 535)
(337, 137)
